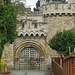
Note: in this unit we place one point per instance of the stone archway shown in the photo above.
(29, 55)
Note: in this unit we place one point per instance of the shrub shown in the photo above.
(1, 65)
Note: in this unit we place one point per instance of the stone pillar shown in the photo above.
(5, 68)
(42, 66)
(48, 63)
(16, 65)
(7, 55)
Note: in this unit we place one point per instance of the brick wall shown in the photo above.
(56, 68)
(69, 65)
(58, 60)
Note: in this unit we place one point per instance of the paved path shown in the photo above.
(28, 72)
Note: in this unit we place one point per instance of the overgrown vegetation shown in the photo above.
(62, 41)
(7, 24)
(20, 9)
(1, 65)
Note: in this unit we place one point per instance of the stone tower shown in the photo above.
(42, 2)
(71, 1)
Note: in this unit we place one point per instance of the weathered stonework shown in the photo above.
(36, 32)
(59, 23)
(8, 55)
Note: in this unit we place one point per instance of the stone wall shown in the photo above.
(58, 8)
(38, 17)
(71, 1)
(58, 23)
(7, 55)
(37, 39)
(41, 42)
(42, 2)
(31, 27)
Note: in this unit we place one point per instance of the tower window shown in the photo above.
(42, 34)
(29, 25)
(22, 25)
(35, 25)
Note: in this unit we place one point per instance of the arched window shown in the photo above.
(32, 35)
(21, 35)
(37, 34)
(26, 35)
(42, 35)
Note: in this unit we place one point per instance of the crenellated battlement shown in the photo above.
(59, 14)
(58, 9)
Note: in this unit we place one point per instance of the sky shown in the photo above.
(31, 3)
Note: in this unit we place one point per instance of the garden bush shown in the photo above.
(1, 65)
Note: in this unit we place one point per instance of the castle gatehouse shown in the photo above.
(30, 49)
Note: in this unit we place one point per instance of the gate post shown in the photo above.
(16, 63)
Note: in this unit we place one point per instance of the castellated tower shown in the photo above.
(59, 17)
(42, 2)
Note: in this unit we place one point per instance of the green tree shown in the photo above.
(20, 9)
(61, 41)
(37, 6)
(6, 2)
(7, 24)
